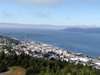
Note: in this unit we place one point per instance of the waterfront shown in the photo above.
(87, 43)
(45, 51)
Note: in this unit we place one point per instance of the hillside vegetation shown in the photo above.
(40, 66)
(35, 66)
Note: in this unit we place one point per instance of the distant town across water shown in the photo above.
(84, 42)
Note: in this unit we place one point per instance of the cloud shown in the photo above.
(5, 14)
(42, 14)
(41, 1)
(89, 1)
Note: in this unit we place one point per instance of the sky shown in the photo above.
(51, 12)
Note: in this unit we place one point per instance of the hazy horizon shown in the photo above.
(70, 13)
(43, 26)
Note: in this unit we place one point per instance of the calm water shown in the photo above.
(87, 43)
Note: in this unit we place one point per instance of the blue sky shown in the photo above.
(52, 12)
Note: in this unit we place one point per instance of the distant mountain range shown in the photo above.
(47, 26)
(73, 29)
(34, 26)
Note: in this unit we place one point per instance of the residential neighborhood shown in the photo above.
(47, 51)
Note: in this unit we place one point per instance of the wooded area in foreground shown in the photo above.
(36, 66)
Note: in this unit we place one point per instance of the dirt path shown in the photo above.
(16, 71)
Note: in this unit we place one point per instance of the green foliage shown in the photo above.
(36, 66)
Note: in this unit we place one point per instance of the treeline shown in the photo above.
(36, 66)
